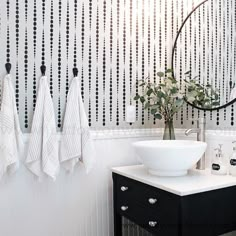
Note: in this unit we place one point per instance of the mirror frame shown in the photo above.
(172, 63)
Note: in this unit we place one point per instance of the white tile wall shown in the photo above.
(78, 204)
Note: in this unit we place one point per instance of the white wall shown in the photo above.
(78, 204)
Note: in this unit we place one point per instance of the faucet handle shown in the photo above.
(219, 148)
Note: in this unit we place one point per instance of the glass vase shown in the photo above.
(169, 132)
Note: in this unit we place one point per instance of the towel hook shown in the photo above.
(8, 67)
(43, 70)
(75, 72)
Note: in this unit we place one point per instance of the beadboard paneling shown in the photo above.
(113, 44)
(80, 204)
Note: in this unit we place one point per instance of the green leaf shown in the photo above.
(195, 77)
(173, 90)
(150, 91)
(190, 99)
(173, 80)
(142, 84)
(179, 102)
(147, 105)
(160, 74)
(158, 116)
(154, 106)
(153, 111)
(160, 94)
(215, 104)
(169, 71)
(193, 93)
(136, 97)
(142, 99)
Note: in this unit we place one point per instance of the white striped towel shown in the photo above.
(76, 142)
(11, 142)
(42, 155)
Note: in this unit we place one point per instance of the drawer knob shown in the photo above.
(152, 223)
(152, 200)
(123, 188)
(124, 208)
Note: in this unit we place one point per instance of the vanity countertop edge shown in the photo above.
(197, 181)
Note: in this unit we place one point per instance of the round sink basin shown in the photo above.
(169, 157)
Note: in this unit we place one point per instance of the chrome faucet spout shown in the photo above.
(200, 131)
(192, 131)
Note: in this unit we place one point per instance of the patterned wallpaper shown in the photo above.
(112, 43)
(207, 47)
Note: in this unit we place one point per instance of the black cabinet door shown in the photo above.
(210, 213)
(133, 200)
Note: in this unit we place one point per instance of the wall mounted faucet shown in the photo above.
(200, 131)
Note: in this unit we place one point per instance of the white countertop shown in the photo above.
(195, 182)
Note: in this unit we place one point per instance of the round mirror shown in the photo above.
(204, 55)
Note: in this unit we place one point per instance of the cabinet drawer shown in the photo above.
(154, 201)
(129, 189)
(125, 188)
(150, 222)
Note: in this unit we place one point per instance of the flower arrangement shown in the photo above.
(165, 99)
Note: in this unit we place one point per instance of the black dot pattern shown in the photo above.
(149, 49)
(97, 53)
(206, 53)
(165, 25)
(181, 86)
(143, 56)
(137, 57)
(51, 47)
(82, 31)
(113, 44)
(97, 33)
(124, 61)
(67, 45)
(59, 67)
(118, 63)
(97, 94)
(43, 49)
(17, 21)
(111, 57)
(26, 122)
(35, 47)
(82, 83)
(155, 45)
(90, 80)
(90, 67)
(17, 29)
(17, 90)
(34, 88)
(104, 83)
(131, 51)
(8, 34)
(75, 41)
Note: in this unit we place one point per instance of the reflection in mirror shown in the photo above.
(204, 55)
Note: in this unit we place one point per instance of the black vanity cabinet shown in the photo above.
(163, 213)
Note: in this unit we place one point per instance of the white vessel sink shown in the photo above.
(169, 157)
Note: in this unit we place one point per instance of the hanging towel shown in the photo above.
(76, 142)
(11, 142)
(42, 155)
